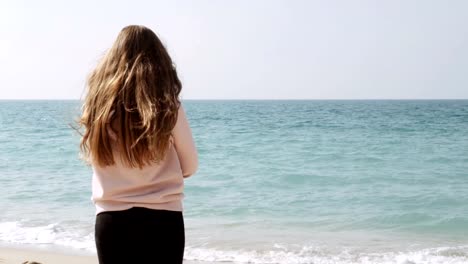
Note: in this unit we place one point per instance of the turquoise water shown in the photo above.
(279, 181)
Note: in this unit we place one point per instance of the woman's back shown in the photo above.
(158, 185)
(139, 143)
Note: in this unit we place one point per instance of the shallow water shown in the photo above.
(279, 181)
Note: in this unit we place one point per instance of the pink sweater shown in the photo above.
(158, 186)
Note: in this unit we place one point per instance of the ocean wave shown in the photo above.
(49, 235)
(317, 255)
(61, 235)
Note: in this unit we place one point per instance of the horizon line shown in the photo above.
(257, 99)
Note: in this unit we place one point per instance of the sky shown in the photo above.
(244, 49)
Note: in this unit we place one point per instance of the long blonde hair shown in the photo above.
(134, 92)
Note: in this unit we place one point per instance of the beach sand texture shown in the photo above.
(19, 256)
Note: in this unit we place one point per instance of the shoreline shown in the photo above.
(12, 255)
(384, 253)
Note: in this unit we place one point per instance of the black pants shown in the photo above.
(140, 235)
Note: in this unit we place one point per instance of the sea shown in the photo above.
(280, 181)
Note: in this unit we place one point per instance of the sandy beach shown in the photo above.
(18, 256)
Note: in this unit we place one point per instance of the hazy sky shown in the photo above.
(247, 49)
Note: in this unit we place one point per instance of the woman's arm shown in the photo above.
(184, 145)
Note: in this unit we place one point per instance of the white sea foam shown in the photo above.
(75, 239)
(48, 235)
(316, 255)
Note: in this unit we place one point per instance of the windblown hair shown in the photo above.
(131, 103)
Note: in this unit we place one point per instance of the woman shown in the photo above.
(140, 146)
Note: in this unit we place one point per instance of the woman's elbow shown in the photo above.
(191, 169)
